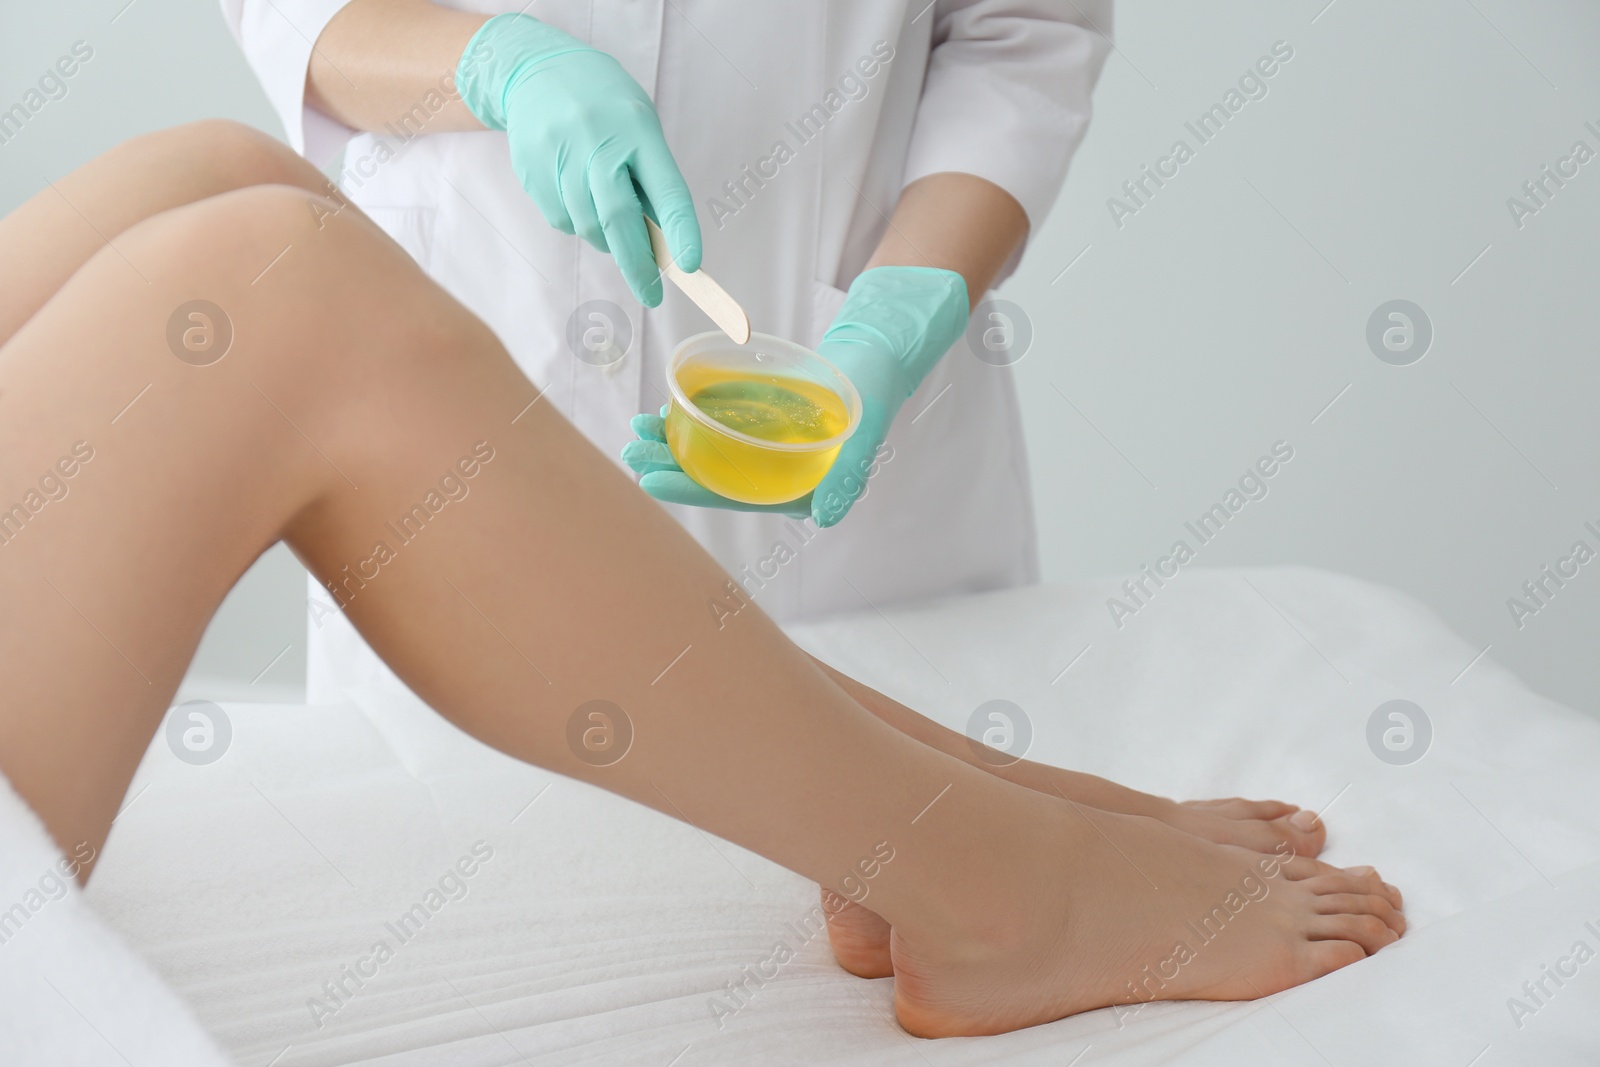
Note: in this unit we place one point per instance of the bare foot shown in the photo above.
(1128, 909)
(860, 937)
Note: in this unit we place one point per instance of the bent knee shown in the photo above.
(238, 155)
(318, 268)
(325, 240)
(284, 246)
(223, 237)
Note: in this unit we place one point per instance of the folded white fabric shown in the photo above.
(309, 895)
(70, 991)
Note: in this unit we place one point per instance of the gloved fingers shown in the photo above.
(648, 457)
(542, 188)
(649, 427)
(668, 195)
(622, 219)
(676, 487)
(578, 200)
(795, 509)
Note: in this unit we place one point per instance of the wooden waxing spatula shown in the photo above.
(710, 297)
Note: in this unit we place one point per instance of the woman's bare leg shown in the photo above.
(353, 389)
(55, 232)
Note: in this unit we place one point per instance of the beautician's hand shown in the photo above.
(585, 143)
(895, 325)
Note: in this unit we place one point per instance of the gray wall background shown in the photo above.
(1227, 313)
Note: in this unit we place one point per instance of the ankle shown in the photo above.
(988, 900)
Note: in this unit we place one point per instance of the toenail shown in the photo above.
(1304, 820)
(1360, 872)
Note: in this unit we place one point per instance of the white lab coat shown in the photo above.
(996, 88)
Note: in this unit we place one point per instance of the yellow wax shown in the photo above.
(777, 408)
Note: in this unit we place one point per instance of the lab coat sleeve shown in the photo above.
(277, 37)
(1007, 93)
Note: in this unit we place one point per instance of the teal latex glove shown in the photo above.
(895, 326)
(586, 143)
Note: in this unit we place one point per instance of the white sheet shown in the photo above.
(599, 932)
(70, 991)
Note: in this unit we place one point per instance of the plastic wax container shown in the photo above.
(785, 458)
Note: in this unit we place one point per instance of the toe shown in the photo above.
(1216, 822)
(1240, 808)
(1368, 931)
(1302, 867)
(1325, 957)
(1355, 880)
(1360, 904)
(1266, 809)
(1304, 830)
(1253, 834)
(1364, 880)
